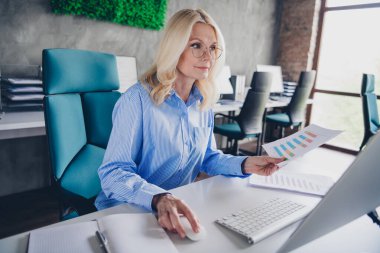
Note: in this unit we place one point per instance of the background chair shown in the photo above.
(249, 122)
(294, 114)
(370, 112)
(80, 94)
(371, 120)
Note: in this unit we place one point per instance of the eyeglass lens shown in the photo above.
(199, 50)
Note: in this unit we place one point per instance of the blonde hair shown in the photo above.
(163, 73)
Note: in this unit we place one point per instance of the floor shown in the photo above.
(25, 211)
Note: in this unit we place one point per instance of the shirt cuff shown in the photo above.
(235, 166)
(242, 167)
(145, 195)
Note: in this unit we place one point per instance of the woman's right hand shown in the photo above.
(169, 208)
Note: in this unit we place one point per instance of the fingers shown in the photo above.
(274, 159)
(270, 169)
(165, 222)
(169, 209)
(190, 216)
(174, 217)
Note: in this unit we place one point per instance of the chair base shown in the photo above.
(233, 147)
(72, 205)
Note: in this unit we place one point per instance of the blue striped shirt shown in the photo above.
(156, 148)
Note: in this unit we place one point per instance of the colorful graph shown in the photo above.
(300, 143)
(285, 149)
(311, 134)
(303, 137)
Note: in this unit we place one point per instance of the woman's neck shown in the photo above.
(183, 87)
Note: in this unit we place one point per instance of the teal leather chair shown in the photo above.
(370, 112)
(80, 93)
(249, 122)
(294, 113)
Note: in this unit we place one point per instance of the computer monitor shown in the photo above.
(222, 81)
(277, 86)
(127, 72)
(356, 193)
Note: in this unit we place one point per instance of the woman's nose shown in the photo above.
(206, 55)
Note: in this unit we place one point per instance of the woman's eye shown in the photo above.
(196, 45)
(212, 48)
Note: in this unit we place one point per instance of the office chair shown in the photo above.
(371, 120)
(79, 88)
(294, 114)
(249, 122)
(370, 113)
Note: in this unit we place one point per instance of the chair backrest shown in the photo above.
(297, 106)
(80, 94)
(251, 115)
(369, 100)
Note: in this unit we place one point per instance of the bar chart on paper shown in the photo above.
(299, 143)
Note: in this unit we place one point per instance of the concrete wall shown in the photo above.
(250, 28)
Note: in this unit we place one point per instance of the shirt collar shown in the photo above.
(194, 95)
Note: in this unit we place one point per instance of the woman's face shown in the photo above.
(200, 53)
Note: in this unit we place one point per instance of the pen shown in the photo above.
(103, 241)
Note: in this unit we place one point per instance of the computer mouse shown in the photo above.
(189, 230)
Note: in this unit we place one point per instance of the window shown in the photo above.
(348, 47)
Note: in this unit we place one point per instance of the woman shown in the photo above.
(162, 126)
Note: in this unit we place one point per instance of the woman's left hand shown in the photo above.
(261, 165)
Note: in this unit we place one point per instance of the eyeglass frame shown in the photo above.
(204, 51)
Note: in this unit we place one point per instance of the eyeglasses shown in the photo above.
(199, 50)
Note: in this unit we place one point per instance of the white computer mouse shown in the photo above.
(189, 230)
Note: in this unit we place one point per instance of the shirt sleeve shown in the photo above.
(217, 163)
(118, 172)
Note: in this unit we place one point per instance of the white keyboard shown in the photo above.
(264, 219)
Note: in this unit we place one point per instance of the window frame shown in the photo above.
(323, 11)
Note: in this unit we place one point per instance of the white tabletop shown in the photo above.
(214, 197)
(236, 105)
(22, 124)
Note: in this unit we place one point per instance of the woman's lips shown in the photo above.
(203, 68)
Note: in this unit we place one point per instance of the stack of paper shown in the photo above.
(305, 183)
(22, 93)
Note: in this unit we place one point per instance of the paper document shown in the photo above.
(122, 232)
(25, 97)
(23, 81)
(26, 88)
(305, 183)
(300, 143)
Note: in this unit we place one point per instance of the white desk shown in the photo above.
(28, 124)
(234, 106)
(22, 124)
(217, 196)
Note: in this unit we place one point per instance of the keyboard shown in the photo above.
(263, 220)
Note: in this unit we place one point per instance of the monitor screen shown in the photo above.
(277, 85)
(127, 72)
(353, 195)
(222, 81)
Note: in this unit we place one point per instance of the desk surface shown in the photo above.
(27, 124)
(22, 124)
(235, 105)
(217, 196)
